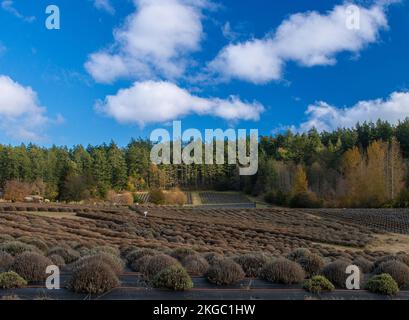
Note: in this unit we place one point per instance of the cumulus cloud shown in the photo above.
(8, 5)
(154, 40)
(104, 5)
(309, 39)
(156, 102)
(21, 115)
(325, 117)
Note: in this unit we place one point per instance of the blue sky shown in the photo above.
(120, 68)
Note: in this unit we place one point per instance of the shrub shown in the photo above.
(336, 272)
(5, 261)
(383, 284)
(69, 255)
(5, 237)
(11, 280)
(283, 271)
(40, 244)
(158, 263)
(93, 277)
(115, 263)
(125, 250)
(305, 200)
(397, 270)
(364, 264)
(251, 263)
(175, 278)
(137, 198)
(141, 264)
(310, 262)
(298, 254)
(278, 198)
(182, 253)
(225, 272)
(384, 259)
(31, 266)
(402, 257)
(125, 198)
(157, 196)
(317, 284)
(195, 265)
(113, 251)
(15, 190)
(16, 247)
(175, 196)
(213, 257)
(57, 260)
(138, 254)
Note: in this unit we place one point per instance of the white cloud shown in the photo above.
(21, 116)
(309, 39)
(158, 102)
(8, 5)
(252, 61)
(325, 117)
(154, 40)
(104, 5)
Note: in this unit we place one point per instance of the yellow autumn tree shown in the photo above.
(375, 191)
(300, 181)
(374, 178)
(353, 170)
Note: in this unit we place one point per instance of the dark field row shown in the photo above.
(249, 245)
(383, 220)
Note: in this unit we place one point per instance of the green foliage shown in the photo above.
(288, 164)
(11, 280)
(305, 200)
(317, 284)
(136, 198)
(157, 196)
(278, 198)
(174, 278)
(383, 284)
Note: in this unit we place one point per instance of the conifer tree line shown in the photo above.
(366, 166)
